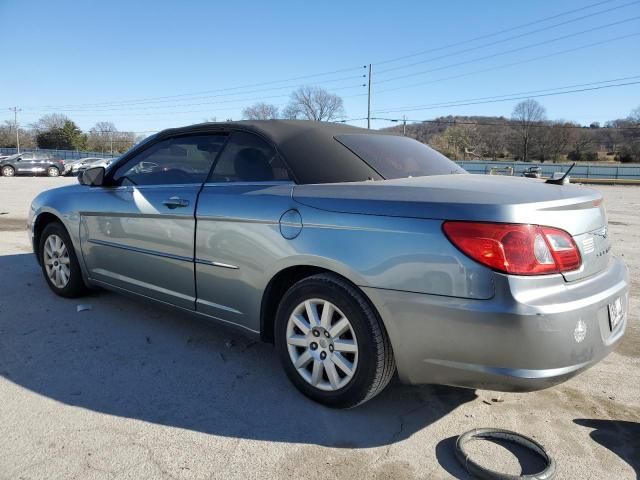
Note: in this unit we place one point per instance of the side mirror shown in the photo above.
(93, 177)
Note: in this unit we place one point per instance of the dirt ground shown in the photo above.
(130, 390)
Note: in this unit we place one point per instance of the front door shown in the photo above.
(138, 232)
(25, 163)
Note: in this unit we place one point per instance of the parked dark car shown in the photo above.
(31, 163)
(532, 172)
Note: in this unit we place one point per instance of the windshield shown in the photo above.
(398, 157)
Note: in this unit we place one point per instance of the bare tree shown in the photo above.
(525, 115)
(260, 111)
(314, 103)
(49, 122)
(494, 140)
(635, 115)
(559, 137)
(8, 136)
(541, 142)
(581, 144)
(101, 137)
(464, 140)
(105, 137)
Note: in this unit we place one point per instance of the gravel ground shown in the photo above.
(133, 390)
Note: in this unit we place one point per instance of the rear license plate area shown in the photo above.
(616, 313)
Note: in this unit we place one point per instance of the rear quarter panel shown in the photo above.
(239, 225)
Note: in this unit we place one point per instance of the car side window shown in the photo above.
(248, 158)
(180, 160)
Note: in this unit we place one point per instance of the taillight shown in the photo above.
(514, 248)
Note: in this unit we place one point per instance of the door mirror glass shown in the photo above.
(93, 177)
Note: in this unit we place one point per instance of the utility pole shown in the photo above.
(404, 125)
(369, 101)
(15, 111)
(111, 141)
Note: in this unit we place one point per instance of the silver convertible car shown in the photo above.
(358, 253)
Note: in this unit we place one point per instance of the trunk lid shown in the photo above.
(577, 210)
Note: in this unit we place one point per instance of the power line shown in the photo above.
(496, 42)
(177, 105)
(528, 93)
(511, 64)
(494, 124)
(513, 50)
(499, 32)
(203, 92)
(521, 97)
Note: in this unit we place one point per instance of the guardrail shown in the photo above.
(591, 171)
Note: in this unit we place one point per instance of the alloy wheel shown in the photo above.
(322, 344)
(53, 172)
(56, 261)
(7, 172)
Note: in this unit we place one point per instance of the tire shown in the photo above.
(364, 344)
(8, 171)
(68, 282)
(53, 172)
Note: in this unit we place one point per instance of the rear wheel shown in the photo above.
(8, 171)
(53, 172)
(59, 262)
(332, 343)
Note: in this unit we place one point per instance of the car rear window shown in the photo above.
(398, 157)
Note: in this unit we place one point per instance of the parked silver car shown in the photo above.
(75, 167)
(356, 252)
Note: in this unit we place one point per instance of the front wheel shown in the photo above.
(59, 262)
(53, 172)
(332, 343)
(8, 171)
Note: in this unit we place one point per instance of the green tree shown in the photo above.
(65, 137)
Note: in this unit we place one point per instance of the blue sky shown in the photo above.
(67, 56)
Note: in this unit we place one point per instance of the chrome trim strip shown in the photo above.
(225, 265)
(218, 218)
(216, 264)
(199, 301)
(161, 215)
(140, 250)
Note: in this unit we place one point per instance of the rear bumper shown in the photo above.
(530, 336)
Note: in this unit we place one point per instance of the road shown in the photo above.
(130, 390)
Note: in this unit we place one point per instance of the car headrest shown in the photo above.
(252, 165)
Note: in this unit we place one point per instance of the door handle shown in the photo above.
(175, 202)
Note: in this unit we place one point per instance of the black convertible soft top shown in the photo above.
(309, 148)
